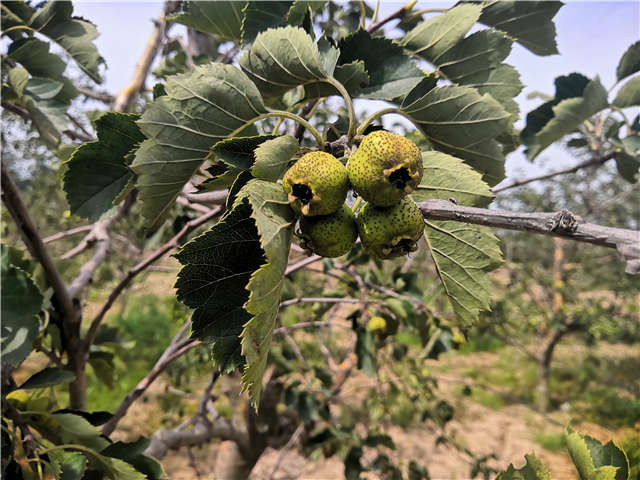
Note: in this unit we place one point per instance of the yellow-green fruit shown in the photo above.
(317, 184)
(377, 324)
(392, 231)
(385, 168)
(330, 235)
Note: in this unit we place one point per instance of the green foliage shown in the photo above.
(453, 117)
(391, 72)
(98, 172)
(533, 470)
(177, 141)
(217, 266)
(21, 302)
(223, 19)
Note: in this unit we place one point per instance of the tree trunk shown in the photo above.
(231, 464)
(544, 370)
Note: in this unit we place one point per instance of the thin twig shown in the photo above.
(398, 14)
(545, 176)
(68, 233)
(301, 264)
(288, 446)
(295, 301)
(161, 364)
(101, 96)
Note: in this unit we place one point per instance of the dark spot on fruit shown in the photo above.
(406, 245)
(303, 192)
(399, 178)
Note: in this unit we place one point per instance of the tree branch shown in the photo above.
(100, 236)
(398, 14)
(171, 244)
(29, 233)
(295, 301)
(124, 100)
(176, 345)
(560, 224)
(101, 96)
(545, 176)
(68, 233)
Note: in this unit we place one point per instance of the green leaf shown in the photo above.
(391, 72)
(21, 302)
(274, 220)
(608, 455)
(448, 177)
(567, 86)
(48, 377)
(463, 254)
(133, 453)
(103, 366)
(299, 10)
(18, 77)
(366, 351)
(435, 36)
(73, 34)
(281, 59)
(33, 54)
(43, 88)
(97, 172)
(459, 121)
(352, 76)
(569, 114)
(69, 428)
(476, 61)
(201, 108)
(217, 266)
(49, 117)
(630, 62)
(417, 472)
(629, 94)
(73, 465)
(261, 15)
(628, 160)
(239, 151)
(529, 23)
(220, 18)
(273, 157)
(533, 470)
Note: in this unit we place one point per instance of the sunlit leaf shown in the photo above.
(433, 37)
(274, 220)
(448, 177)
(273, 156)
(459, 121)
(463, 255)
(629, 94)
(281, 59)
(201, 108)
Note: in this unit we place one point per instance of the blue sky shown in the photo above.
(591, 37)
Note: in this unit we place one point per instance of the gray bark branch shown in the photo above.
(560, 224)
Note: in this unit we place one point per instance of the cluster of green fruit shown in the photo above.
(385, 168)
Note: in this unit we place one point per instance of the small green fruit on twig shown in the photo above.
(329, 235)
(385, 168)
(393, 231)
(317, 184)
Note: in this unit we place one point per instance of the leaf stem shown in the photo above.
(282, 114)
(348, 103)
(363, 126)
